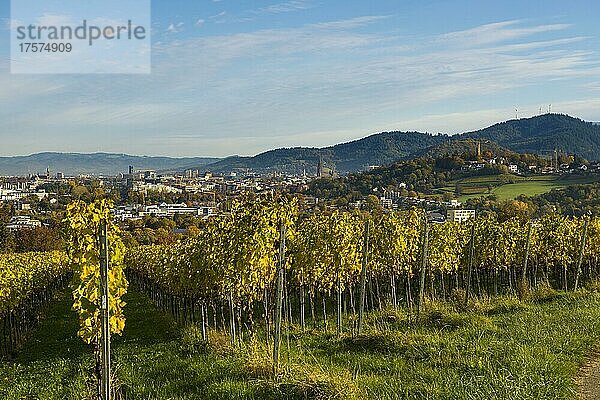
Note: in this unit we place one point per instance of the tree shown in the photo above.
(372, 203)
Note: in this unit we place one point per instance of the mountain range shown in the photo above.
(539, 135)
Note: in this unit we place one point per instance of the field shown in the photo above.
(503, 349)
(512, 186)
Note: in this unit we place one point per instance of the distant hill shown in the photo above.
(379, 149)
(93, 164)
(544, 133)
(537, 135)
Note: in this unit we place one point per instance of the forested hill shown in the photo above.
(460, 146)
(379, 149)
(545, 133)
(539, 135)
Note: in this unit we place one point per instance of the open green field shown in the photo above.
(531, 186)
(501, 349)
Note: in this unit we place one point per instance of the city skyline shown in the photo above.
(256, 75)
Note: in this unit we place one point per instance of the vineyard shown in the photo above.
(341, 263)
(27, 282)
(282, 303)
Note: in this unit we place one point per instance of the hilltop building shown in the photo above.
(323, 171)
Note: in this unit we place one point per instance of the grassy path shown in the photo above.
(56, 364)
(53, 363)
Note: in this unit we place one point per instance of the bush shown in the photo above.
(258, 361)
(542, 294)
(457, 298)
(219, 343)
(593, 286)
(305, 384)
(378, 342)
(192, 341)
(503, 305)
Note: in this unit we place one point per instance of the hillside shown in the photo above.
(544, 133)
(96, 163)
(379, 149)
(459, 145)
(537, 135)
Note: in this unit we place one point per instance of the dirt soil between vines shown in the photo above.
(588, 379)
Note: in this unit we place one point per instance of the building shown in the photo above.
(22, 222)
(325, 172)
(460, 215)
(436, 217)
(170, 210)
(386, 203)
(455, 203)
(513, 168)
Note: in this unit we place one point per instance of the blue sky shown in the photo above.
(247, 76)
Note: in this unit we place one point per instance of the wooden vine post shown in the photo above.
(105, 381)
(581, 251)
(278, 299)
(231, 317)
(470, 267)
(527, 248)
(339, 305)
(423, 266)
(363, 280)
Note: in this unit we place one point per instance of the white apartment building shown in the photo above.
(460, 215)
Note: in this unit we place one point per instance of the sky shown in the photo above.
(241, 77)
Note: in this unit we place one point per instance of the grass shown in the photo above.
(538, 185)
(531, 186)
(53, 364)
(503, 349)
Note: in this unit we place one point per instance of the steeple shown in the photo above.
(320, 167)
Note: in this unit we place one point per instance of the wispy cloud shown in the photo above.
(55, 20)
(270, 10)
(219, 15)
(175, 27)
(8, 23)
(496, 33)
(351, 23)
(312, 85)
(288, 6)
